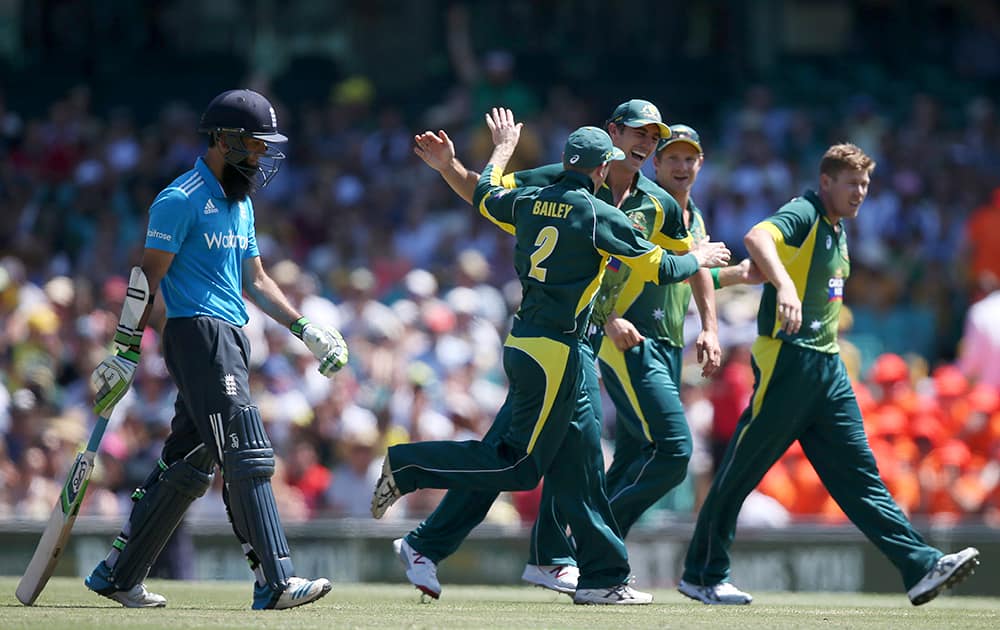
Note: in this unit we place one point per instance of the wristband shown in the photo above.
(298, 326)
(715, 277)
(127, 338)
(130, 354)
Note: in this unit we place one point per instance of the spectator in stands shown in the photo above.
(979, 354)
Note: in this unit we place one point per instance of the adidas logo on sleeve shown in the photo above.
(210, 207)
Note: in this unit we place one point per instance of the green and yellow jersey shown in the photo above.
(814, 253)
(678, 294)
(659, 218)
(564, 237)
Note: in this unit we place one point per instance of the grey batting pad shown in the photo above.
(160, 504)
(248, 464)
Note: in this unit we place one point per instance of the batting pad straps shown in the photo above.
(160, 505)
(247, 451)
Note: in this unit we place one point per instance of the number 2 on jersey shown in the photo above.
(545, 242)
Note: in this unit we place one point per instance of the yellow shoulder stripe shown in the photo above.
(771, 229)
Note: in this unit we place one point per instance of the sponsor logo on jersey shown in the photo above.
(160, 235)
(210, 207)
(829, 241)
(228, 240)
(836, 289)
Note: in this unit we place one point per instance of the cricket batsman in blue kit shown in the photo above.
(201, 252)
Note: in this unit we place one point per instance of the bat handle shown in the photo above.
(98, 432)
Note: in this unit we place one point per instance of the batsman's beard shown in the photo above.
(235, 183)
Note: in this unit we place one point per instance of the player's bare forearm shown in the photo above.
(760, 243)
(438, 151)
(265, 293)
(707, 344)
(460, 179)
(155, 264)
(746, 272)
(764, 253)
(703, 291)
(728, 276)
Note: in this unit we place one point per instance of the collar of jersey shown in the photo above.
(211, 183)
(635, 186)
(813, 197)
(579, 178)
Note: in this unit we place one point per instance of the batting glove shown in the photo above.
(325, 342)
(112, 378)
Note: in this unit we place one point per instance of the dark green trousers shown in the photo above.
(800, 394)
(652, 441)
(546, 427)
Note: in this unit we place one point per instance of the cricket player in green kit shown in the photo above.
(635, 127)
(653, 441)
(802, 392)
(564, 237)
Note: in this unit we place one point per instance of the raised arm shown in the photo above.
(506, 133)
(438, 152)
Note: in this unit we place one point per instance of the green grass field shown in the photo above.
(65, 603)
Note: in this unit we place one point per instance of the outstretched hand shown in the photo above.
(505, 131)
(435, 149)
(710, 254)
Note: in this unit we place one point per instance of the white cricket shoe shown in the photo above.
(302, 591)
(101, 583)
(386, 493)
(138, 597)
(420, 570)
(622, 594)
(721, 593)
(946, 572)
(561, 578)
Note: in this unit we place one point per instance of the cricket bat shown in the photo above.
(56, 534)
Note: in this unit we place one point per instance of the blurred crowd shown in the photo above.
(362, 236)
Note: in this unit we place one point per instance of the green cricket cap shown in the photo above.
(639, 113)
(589, 147)
(681, 133)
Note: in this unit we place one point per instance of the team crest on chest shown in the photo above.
(639, 221)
